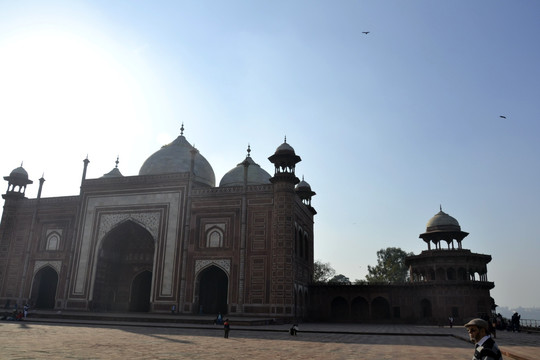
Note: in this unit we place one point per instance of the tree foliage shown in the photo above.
(340, 279)
(322, 272)
(390, 266)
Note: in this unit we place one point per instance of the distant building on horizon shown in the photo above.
(169, 238)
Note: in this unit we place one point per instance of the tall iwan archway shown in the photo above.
(124, 270)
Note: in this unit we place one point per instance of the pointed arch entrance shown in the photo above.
(123, 280)
(139, 299)
(213, 290)
(380, 308)
(44, 288)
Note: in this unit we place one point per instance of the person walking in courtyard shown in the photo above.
(486, 348)
(226, 328)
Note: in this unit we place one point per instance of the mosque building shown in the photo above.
(170, 239)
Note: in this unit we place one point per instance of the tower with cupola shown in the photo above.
(450, 279)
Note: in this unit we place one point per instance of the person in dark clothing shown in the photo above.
(227, 328)
(294, 329)
(486, 348)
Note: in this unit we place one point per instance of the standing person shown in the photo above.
(226, 327)
(486, 348)
(451, 321)
(26, 310)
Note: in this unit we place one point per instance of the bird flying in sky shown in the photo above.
(365, 32)
(502, 117)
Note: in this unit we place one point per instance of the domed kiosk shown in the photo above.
(17, 182)
(443, 227)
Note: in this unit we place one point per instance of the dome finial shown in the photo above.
(440, 207)
(248, 151)
(117, 161)
(182, 129)
(285, 139)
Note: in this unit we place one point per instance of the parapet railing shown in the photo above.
(530, 323)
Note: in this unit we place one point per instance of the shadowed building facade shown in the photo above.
(168, 237)
(444, 280)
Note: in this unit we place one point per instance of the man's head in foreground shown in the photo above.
(477, 329)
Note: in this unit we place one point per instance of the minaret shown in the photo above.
(282, 246)
(41, 181)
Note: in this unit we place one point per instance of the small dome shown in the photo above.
(442, 221)
(18, 177)
(19, 173)
(175, 158)
(113, 173)
(255, 176)
(285, 149)
(303, 186)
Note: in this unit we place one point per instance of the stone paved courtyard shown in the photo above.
(26, 340)
(38, 338)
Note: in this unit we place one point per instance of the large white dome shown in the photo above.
(175, 158)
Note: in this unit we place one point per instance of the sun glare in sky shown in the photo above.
(58, 75)
(58, 79)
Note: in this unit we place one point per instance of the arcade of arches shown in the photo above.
(360, 309)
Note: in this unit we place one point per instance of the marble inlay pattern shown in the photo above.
(39, 264)
(149, 220)
(224, 264)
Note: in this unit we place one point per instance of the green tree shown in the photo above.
(390, 266)
(340, 279)
(322, 272)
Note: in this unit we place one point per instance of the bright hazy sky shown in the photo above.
(389, 125)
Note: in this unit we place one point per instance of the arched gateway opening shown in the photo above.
(124, 270)
(141, 286)
(213, 288)
(44, 288)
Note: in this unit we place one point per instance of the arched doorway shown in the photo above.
(360, 309)
(141, 285)
(340, 309)
(124, 270)
(425, 306)
(44, 288)
(213, 289)
(380, 308)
